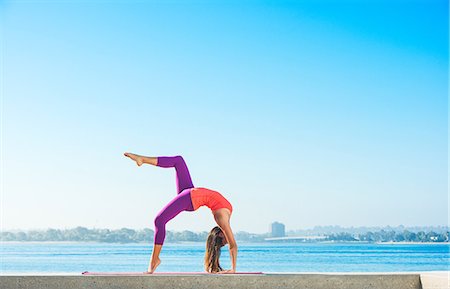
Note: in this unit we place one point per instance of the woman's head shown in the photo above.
(214, 242)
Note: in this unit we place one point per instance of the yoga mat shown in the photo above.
(158, 273)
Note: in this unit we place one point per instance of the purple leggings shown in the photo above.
(182, 202)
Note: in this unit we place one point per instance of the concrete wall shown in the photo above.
(435, 280)
(269, 281)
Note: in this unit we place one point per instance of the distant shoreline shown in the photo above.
(411, 243)
(246, 242)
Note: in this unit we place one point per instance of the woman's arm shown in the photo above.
(223, 220)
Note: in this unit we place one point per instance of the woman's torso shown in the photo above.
(212, 199)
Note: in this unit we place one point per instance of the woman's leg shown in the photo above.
(183, 179)
(182, 202)
(142, 159)
(154, 261)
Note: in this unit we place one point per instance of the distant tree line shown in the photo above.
(125, 235)
(335, 229)
(391, 236)
(81, 234)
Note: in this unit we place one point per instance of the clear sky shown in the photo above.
(303, 112)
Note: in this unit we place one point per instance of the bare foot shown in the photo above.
(153, 266)
(137, 158)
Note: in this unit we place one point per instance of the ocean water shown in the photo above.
(57, 257)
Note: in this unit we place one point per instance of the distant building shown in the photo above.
(277, 230)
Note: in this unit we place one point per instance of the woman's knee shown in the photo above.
(179, 159)
(159, 221)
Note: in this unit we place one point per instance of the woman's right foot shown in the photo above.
(153, 266)
(137, 158)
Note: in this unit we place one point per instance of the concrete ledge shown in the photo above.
(269, 281)
(435, 280)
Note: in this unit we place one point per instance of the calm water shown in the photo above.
(44, 257)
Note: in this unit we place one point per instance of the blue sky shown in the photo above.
(304, 112)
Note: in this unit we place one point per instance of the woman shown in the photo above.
(190, 198)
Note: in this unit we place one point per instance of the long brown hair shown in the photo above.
(213, 244)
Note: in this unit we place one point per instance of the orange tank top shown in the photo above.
(212, 199)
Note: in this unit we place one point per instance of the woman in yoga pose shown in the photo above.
(190, 198)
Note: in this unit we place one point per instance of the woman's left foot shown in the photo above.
(137, 158)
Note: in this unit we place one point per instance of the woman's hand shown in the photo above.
(222, 217)
(231, 271)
